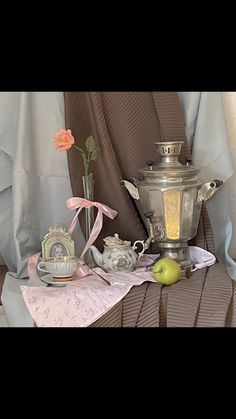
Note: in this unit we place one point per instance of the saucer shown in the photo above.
(50, 280)
(63, 276)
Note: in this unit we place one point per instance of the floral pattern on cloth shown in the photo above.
(85, 300)
(81, 302)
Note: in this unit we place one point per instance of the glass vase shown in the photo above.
(88, 188)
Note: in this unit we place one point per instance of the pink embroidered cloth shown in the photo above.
(83, 301)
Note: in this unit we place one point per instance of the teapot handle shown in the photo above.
(135, 247)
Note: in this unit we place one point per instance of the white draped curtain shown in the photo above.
(211, 130)
(229, 101)
(34, 181)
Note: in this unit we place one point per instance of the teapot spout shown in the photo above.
(98, 257)
(131, 189)
(208, 189)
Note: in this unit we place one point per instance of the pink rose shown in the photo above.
(64, 139)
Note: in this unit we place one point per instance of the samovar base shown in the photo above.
(180, 253)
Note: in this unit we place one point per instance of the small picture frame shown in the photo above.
(56, 243)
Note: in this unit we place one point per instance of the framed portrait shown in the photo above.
(57, 243)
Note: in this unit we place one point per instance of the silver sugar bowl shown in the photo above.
(171, 196)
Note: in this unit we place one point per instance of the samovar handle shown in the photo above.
(133, 190)
(208, 189)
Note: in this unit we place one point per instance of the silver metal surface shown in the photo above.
(171, 196)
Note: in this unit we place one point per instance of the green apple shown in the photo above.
(166, 271)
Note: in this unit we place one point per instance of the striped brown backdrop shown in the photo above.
(126, 125)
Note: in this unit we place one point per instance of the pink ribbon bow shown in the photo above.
(32, 263)
(80, 203)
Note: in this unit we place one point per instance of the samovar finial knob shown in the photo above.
(169, 151)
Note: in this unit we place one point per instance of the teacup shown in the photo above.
(59, 267)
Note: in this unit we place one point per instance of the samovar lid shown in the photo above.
(169, 166)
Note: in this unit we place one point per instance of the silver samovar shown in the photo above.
(171, 196)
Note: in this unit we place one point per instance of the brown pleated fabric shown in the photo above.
(132, 305)
(126, 125)
(149, 312)
(163, 307)
(216, 298)
(184, 299)
(231, 315)
(112, 319)
(207, 299)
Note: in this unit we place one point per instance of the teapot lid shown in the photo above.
(169, 165)
(114, 241)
